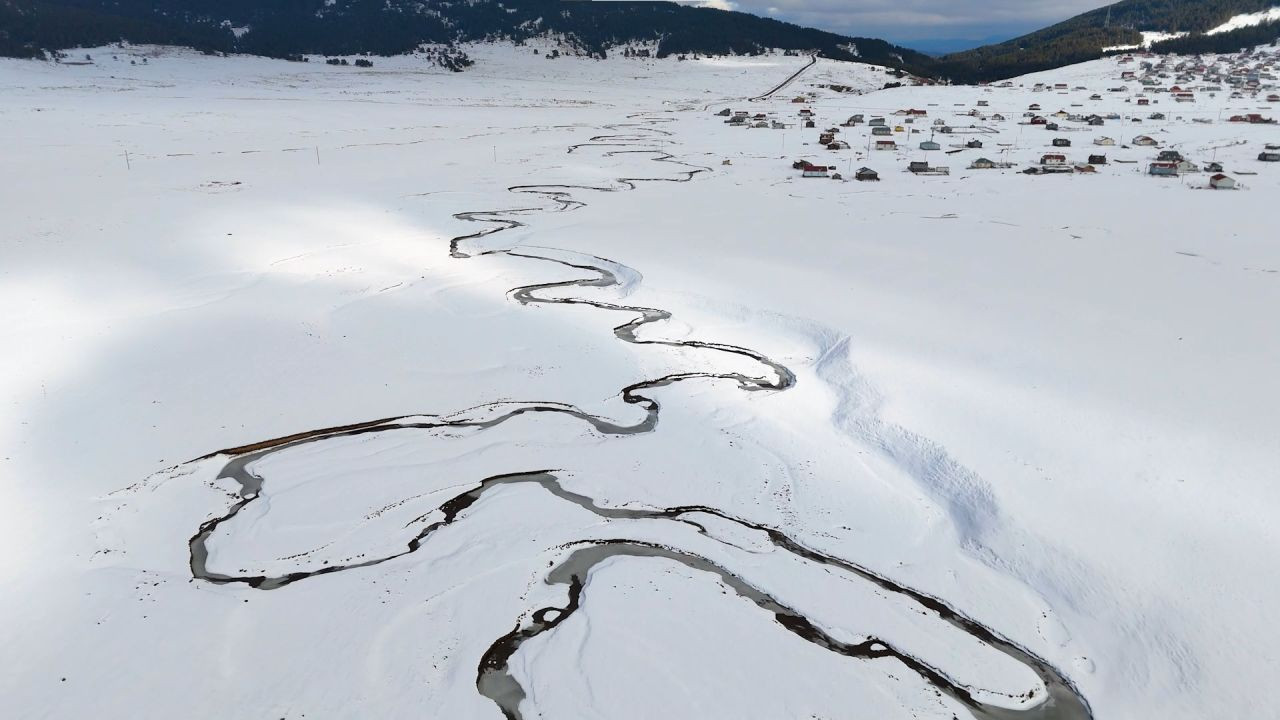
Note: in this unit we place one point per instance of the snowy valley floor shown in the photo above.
(403, 393)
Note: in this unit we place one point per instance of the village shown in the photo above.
(1134, 124)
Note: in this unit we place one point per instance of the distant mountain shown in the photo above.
(937, 47)
(285, 28)
(1083, 37)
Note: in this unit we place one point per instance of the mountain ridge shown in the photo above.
(293, 29)
(32, 28)
(1088, 35)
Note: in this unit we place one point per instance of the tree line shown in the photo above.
(1084, 36)
(288, 28)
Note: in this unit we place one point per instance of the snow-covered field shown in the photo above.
(397, 392)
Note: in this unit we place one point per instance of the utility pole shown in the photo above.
(317, 154)
(126, 160)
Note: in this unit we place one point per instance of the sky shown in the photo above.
(904, 21)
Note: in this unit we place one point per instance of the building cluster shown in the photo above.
(1249, 73)
(1146, 79)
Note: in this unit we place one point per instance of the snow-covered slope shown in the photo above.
(1247, 20)
(539, 389)
(1149, 38)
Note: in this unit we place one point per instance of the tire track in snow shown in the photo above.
(813, 60)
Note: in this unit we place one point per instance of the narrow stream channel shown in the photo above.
(494, 680)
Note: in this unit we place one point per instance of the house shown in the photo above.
(1213, 167)
(1273, 98)
(1222, 182)
(866, 174)
(1053, 159)
(981, 164)
(725, 112)
(1186, 166)
(974, 145)
(1144, 141)
(899, 128)
(1033, 106)
(1051, 126)
(876, 122)
(1037, 120)
(1061, 142)
(881, 130)
(806, 112)
(930, 145)
(1086, 169)
(837, 176)
(923, 168)
(811, 170)
(838, 145)
(1097, 159)
(1169, 156)
(1156, 116)
(1144, 101)
(826, 138)
(886, 145)
(1269, 156)
(1165, 169)
(1095, 120)
(983, 103)
(810, 124)
(1095, 96)
(1254, 118)
(797, 99)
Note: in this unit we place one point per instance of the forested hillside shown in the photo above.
(1232, 41)
(29, 28)
(1083, 37)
